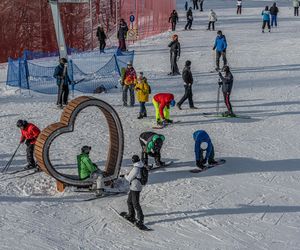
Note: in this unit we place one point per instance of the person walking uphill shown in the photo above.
(175, 51)
(239, 7)
(143, 90)
(212, 18)
(173, 19)
(296, 7)
(62, 81)
(188, 82)
(189, 18)
(162, 103)
(266, 19)
(128, 81)
(122, 34)
(101, 38)
(29, 135)
(220, 46)
(274, 11)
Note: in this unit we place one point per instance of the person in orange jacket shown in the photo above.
(29, 135)
(162, 103)
(128, 81)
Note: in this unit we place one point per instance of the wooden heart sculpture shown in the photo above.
(66, 125)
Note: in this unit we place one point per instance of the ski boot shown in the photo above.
(139, 224)
(140, 116)
(168, 121)
(178, 106)
(129, 218)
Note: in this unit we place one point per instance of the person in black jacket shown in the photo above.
(188, 82)
(174, 55)
(122, 33)
(227, 82)
(274, 11)
(173, 19)
(189, 18)
(101, 38)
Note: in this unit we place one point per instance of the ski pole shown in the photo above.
(10, 160)
(218, 100)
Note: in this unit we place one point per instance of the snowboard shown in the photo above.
(154, 167)
(122, 214)
(168, 124)
(219, 162)
(103, 194)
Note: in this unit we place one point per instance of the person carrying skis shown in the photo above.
(274, 11)
(151, 146)
(175, 51)
(220, 46)
(266, 19)
(227, 82)
(188, 82)
(212, 18)
(62, 80)
(122, 34)
(173, 19)
(101, 38)
(143, 90)
(162, 103)
(239, 7)
(203, 145)
(201, 4)
(189, 18)
(29, 135)
(128, 80)
(296, 7)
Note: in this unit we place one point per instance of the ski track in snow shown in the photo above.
(251, 202)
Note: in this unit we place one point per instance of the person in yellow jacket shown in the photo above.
(143, 90)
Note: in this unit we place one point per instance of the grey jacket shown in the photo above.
(227, 81)
(135, 172)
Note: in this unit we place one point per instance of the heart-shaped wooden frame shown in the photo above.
(66, 125)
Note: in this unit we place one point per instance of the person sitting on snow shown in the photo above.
(162, 103)
(203, 145)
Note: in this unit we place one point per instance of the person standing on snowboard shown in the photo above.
(174, 55)
(162, 103)
(203, 146)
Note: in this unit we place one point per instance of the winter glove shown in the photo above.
(220, 83)
(213, 48)
(220, 74)
(28, 141)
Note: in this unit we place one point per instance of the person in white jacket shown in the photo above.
(136, 187)
(212, 18)
(296, 7)
(239, 7)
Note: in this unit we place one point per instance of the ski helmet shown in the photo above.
(204, 145)
(21, 123)
(135, 158)
(86, 149)
(219, 32)
(129, 63)
(172, 103)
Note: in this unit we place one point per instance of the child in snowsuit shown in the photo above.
(220, 46)
(143, 90)
(227, 82)
(128, 81)
(136, 187)
(203, 145)
(175, 50)
(239, 7)
(212, 18)
(189, 18)
(266, 19)
(29, 135)
(173, 19)
(151, 145)
(101, 38)
(162, 103)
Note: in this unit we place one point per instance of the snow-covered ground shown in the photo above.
(251, 202)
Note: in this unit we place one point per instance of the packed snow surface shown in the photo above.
(251, 202)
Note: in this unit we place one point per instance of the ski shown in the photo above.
(168, 124)
(229, 117)
(198, 170)
(18, 171)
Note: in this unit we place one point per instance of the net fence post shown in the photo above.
(72, 77)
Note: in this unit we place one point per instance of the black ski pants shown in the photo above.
(173, 26)
(227, 101)
(201, 6)
(134, 206)
(218, 55)
(239, 10)
(212, 24)
(102, 45)
(296, 11)
(29, 154)
(210, 157)
(266, 23)
(188, 24)
(188, 94)
(63, 94)
(131, 92)
(195, 4)
(173, 60)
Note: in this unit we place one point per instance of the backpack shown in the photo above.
(144, 176)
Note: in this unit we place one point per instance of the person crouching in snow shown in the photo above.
(88, 169)
(162, 103)
(203, 145)
(143, 90)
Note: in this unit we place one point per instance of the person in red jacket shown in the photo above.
(162, 103)
(30, 133)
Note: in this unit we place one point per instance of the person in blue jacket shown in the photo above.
(266, 19)
(220, 47)
(203, 145)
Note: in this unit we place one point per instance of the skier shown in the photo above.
(220, 46)
(195, 4)
(128, 81)
(133, 201)
(186, 5)
(239, 7)
(101, 38)
(174, 55)
(201, 4)
(173, 19)
(29, 135)
(189, 18)
(266, 19)
(151, 146)
(296, 7)
(274, 11)
(143, 90)
(188, 82)
(122, 34)
(162, 103)
(62, 81)
(227, 82)
(212, 18)
(203, 145)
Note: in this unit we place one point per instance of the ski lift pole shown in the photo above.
(10, 160)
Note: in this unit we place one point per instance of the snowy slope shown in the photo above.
(251, 202)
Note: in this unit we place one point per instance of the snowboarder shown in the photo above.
(239, 7)
(203, 145)
(266, 19)
(174, 55)
(188, 82)
(296, 7)
(143, 90)
(227, 82)
(29, 135)
(62, 81)
(162, 103)
(189, 18)
(151, 146)
(101, 38)
(212, 18)
(274, 11)
(220, 46)
(195, 4)
(173, 19)
(122, 34)
(128, 80)
(201, 4)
